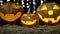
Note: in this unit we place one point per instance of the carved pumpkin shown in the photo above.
(10, 11)
(49, 13)
(29, 20)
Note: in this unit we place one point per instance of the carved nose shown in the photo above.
(28, 17)
(50, 12)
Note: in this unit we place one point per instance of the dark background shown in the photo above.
(30, 2)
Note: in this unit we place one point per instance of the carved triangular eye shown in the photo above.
(55, 7)
(44, 7)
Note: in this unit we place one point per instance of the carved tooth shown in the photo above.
(55, 18)
(43, 17)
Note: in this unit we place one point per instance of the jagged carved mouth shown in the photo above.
(29, 22)
(53, 20)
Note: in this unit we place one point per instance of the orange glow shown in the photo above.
(4, 5)
(16, 6)
(47, 19)
(55, 7)
(28, 17)
(28, 22)
(25, 15)
(10, 17)
(44, 7)
(50, 12)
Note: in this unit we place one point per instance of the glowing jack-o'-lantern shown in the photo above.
(10, 11)
(49, 12)
(29, 20)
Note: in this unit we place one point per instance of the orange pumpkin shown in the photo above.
(10, 11)
(49, 13)
(29, 20)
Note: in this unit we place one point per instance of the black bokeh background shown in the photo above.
(38, 2)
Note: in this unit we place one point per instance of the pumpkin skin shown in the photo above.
(10, 11)
(49, 13)
(29, 20)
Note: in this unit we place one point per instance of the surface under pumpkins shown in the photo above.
(39, 29)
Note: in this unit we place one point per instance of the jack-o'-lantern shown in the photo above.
(29, 20)
(49, 13)
(10, 11)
